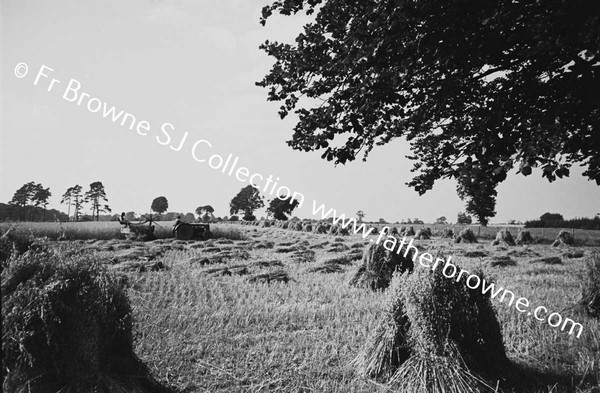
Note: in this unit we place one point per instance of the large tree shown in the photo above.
(281, 208)
(205, 213)
(73, 197)
(247, 201)
(95, 196)
(551, 219)
(67, 198)
(463, 218)
(476, 87)
(78, 200)
(160, 205)
(22, 197)
(189, 217)
(31, 194)
(40, 198)
(441, 220)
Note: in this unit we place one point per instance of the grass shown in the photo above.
(224, 334)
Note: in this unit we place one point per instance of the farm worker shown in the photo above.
(123, 221)
(177, 223)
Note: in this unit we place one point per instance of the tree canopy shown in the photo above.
(95, 196)
(73, 196)
(189, 217)
(205, 213)
(477, 88)
(463, 218)
(40, 197)
(551, 219)
(78, 200)
(23, 195)
(12, 212)
(247, 200)
(281, 208)
(160, 205)
(31, 194)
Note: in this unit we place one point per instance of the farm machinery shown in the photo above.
(144, 230)
(138, 231)
(190, 231)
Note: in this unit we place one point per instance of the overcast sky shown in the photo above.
(193, 64)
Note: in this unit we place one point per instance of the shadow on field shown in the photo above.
(527, 379)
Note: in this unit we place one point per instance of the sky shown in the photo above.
(188, 69)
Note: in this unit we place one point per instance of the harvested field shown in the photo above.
(279, 276)
(475, 254)
(574, 254)
(303, 256)
(524, 237)
(423, 234)
(465, 236)
(379, 264)
(272, 263)
(337, 247)
(564, 238)
(500, 261)
(214, 298)
(548, 260)
(503, 237)
(326, 268)
(341, 260)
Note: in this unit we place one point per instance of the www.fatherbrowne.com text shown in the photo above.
(451, 271)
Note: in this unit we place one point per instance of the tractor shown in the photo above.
(192, 231)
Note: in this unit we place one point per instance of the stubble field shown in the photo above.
(202, 325)
(272, 310)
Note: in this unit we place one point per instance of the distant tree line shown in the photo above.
(9, 212)
(30, 202)
(555, 220)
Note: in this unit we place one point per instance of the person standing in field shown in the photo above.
(123, 221)
(176, 224)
